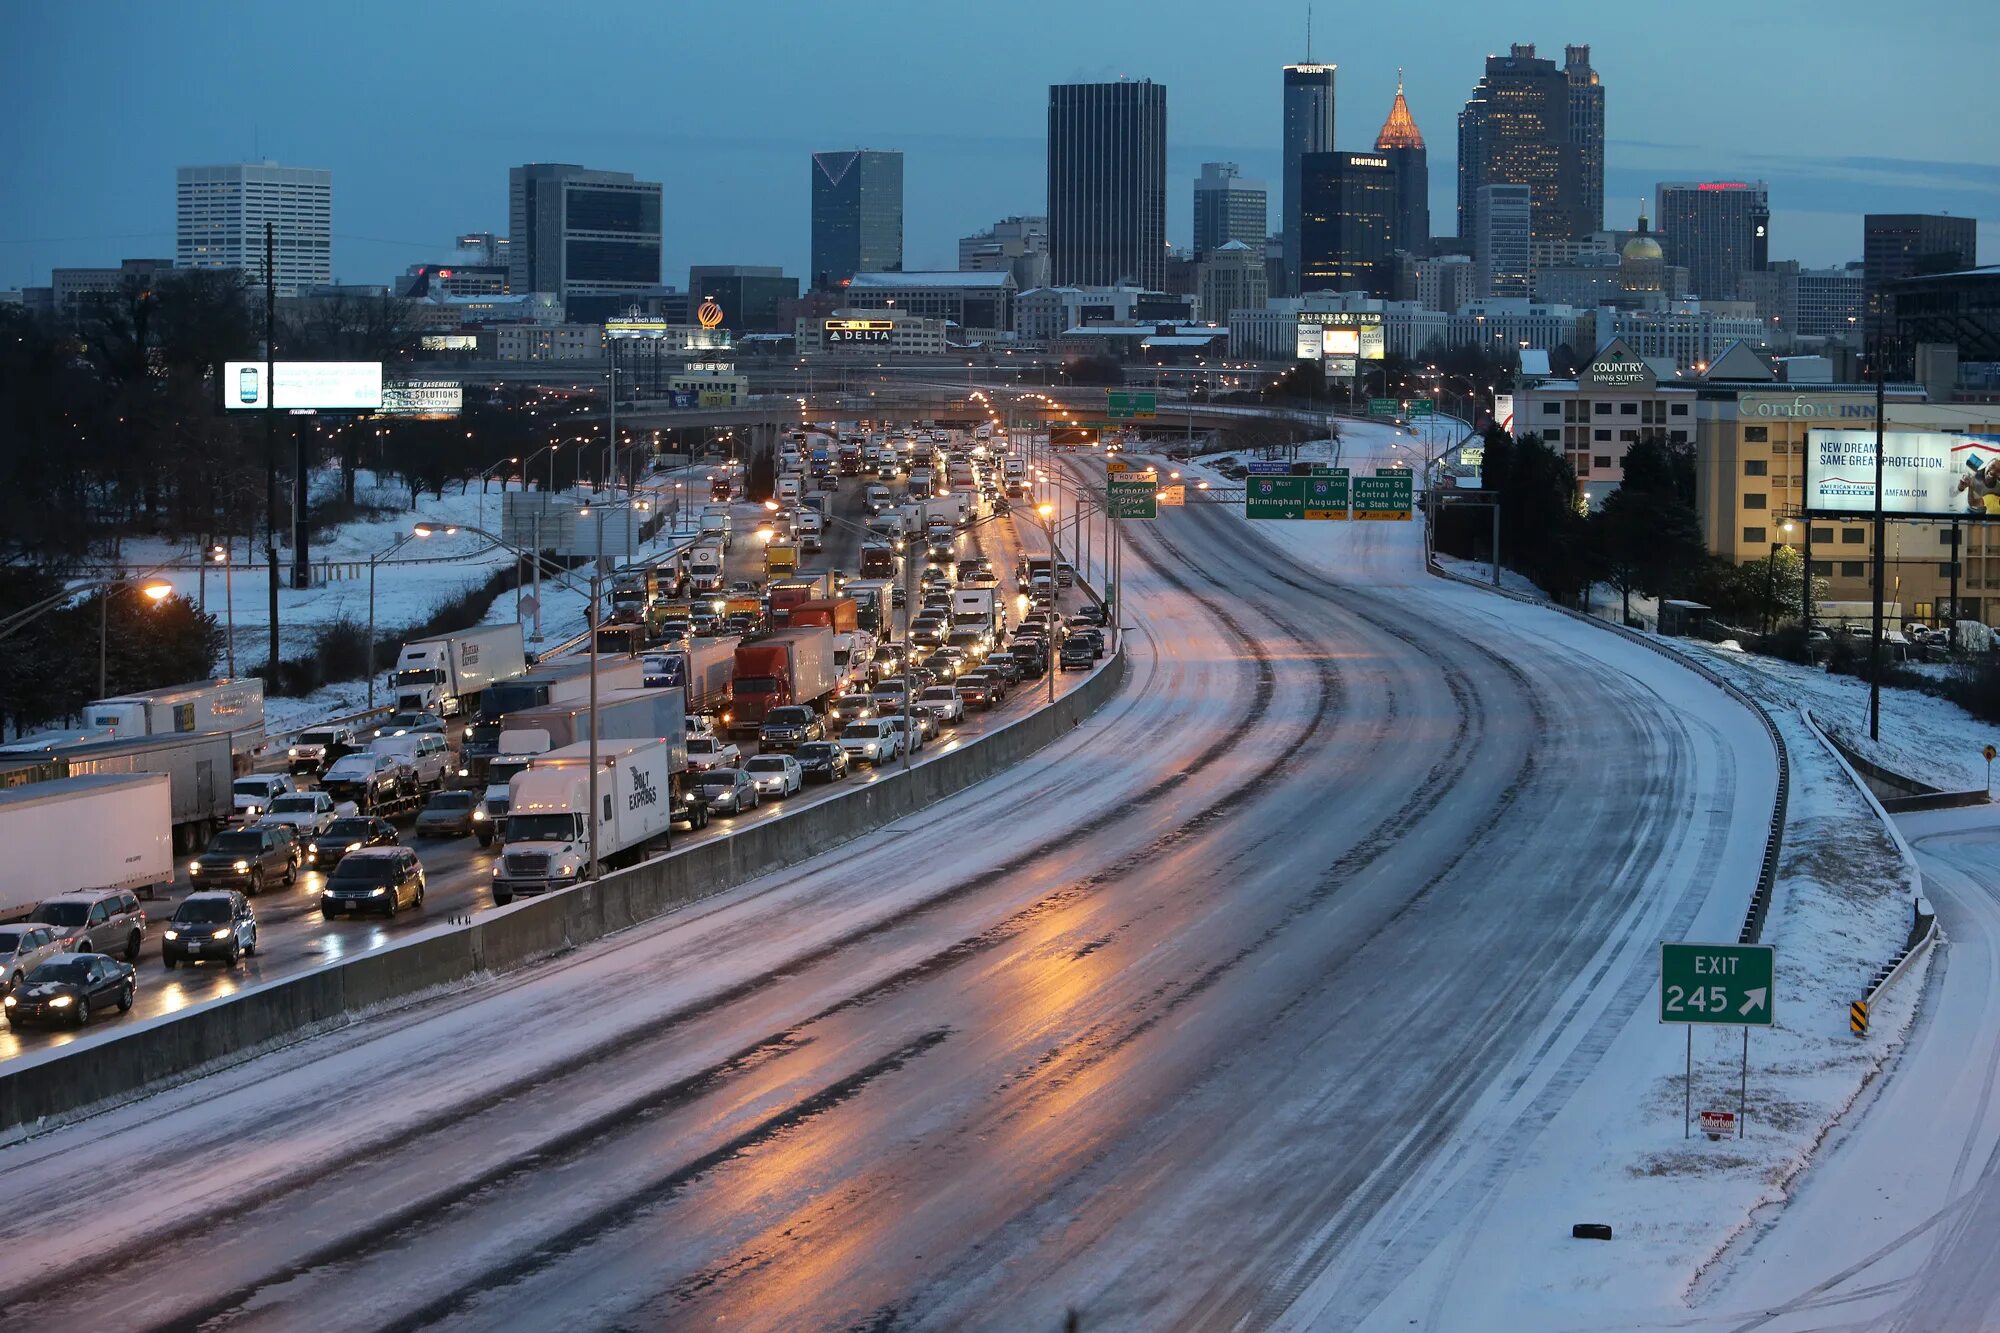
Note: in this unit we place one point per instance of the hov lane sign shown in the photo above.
(1727, 984)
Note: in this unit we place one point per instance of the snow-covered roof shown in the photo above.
(937, 278)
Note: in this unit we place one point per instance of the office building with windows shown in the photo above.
(1586, 134)
(1227, 207)
(1895, 246)
(1017, 245)
(1515, 130)
(1403, 144)
(754, 297)
(590, 237)
(1309, 106)
(1348, 225)
(1502, 218)
(1716, 230)
(857, 215)
(1107, 176)
(221, 212)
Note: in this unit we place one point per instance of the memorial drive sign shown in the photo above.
(1923, 472)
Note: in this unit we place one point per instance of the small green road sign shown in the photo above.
(1274, 497)
(1386, 495)
(1133, 497)
(1384, 407)
(1728, 984)
(1132, 403)
(1422, 407)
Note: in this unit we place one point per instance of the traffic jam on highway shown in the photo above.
(876, 605)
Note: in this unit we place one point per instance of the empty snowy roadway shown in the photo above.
(1157, 1025)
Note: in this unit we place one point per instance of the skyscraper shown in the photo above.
(1402, 143)
(1502, 221)
(1716, 230)
(1586, 132)
(1348, 223)
(1515, 130)
(220, 214)
(590, 237)
(1227, 207)
(857, 215)
(1108, 184)
(1308, 129)
(1904, 245)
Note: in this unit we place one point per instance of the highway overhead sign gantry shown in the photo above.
(1387, 494)
(1384, 407)
(1725, 984)
(1422, 407)
(1132, 403)
(1133, 495)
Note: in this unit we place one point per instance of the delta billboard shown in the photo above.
(1923, 472)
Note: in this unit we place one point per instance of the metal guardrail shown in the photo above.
(1767, 872)
(1923, 934)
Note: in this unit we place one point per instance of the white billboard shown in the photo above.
(422, 398)
(1503, 411)
(1923, 472)
(1309, 342)
(303, 386)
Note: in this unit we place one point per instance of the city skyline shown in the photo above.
(102, 190)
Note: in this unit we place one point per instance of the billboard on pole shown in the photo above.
(304, 386)
(1923, 472)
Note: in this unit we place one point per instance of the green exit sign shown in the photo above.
(1729, 984)
(1139, 498)
(1131, 403)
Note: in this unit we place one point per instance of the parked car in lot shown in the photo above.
(776, 775)
(68, 988)
(822, 761)
(318, 747)
(727, 791)
(23, 947)
(873, 741)
(95, 921)
(790, 726)
(213, 923)
(252, 795)
(448, 814)
(710, 752)
(252, 857)
(350, 833)
(374, 879)
(306, 813)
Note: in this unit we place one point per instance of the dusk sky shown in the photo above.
(419, 109)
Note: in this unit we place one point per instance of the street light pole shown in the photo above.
(229, 602)
(374, 560)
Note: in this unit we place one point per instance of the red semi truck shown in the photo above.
(792, 666)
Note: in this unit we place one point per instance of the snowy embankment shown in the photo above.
(1615, 1151)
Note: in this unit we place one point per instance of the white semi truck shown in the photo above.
(548, 814)
(95, 832)
(445, 673)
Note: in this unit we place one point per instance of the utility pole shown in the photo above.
(271, 430)
(1881, 529)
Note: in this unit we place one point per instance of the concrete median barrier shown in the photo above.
(122, 1063)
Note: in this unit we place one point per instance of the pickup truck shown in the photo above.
(306, 812)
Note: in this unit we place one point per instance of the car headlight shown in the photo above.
(292, 752)
(242, 866)
(478, 815)
(11, 1002)
(251, 810)
(173, 934)
(353, 846)
(377, 892)
(222, 934)
(60, 1002)
(194, 867)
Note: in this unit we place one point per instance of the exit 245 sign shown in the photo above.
(1729, 984)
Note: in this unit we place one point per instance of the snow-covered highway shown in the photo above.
(1187, 1021)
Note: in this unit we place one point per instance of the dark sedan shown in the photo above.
(350, 833)
(67, 988)
(822, 761)
(1076, 656)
